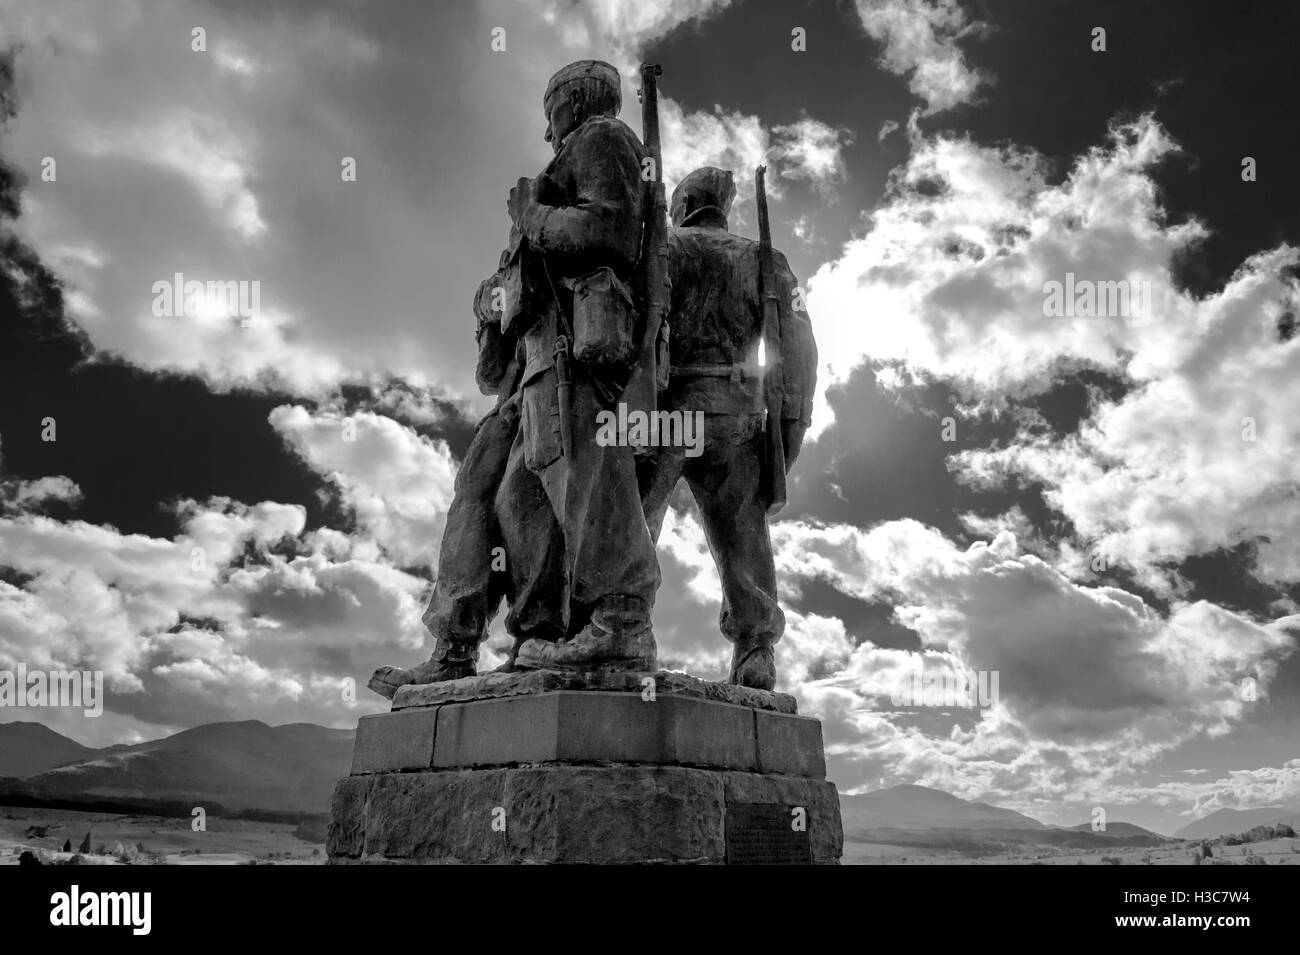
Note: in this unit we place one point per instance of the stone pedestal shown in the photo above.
(548, 767)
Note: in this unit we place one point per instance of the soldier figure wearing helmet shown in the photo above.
(716, 317)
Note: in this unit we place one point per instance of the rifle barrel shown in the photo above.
(773, 487)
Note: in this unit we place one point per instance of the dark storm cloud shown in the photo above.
(1222, 78)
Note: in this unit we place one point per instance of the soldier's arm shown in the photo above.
(495, 347)
(603, 227)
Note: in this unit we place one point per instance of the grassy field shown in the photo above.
(242, 842)
(1272, 852)
(165, 840)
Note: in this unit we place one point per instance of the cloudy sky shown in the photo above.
(1105, 511)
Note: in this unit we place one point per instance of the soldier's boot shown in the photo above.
(753, 663)
(509, 666)
(451, 660)
(618, 638)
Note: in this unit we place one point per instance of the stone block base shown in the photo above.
(584, 814)
(545, 767)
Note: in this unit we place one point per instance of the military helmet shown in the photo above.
(709, 187)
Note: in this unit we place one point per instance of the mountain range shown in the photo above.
(237, 766)
(249, 765)
(919, 807)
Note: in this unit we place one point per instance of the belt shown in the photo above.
(734, 372)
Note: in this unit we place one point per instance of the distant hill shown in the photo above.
(1118, 830)
(920, 817)
(919, 807)
(244, 765)
(30, 748)
(1224, 822)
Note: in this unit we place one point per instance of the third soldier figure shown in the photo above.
(717, 319)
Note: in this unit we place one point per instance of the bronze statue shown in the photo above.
(572, 326)
(717, 320)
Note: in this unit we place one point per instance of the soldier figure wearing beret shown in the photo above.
(578, 230)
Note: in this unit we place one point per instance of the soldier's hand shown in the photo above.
(522, 198)
(792, 432)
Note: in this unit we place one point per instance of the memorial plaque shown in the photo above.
(765, 834)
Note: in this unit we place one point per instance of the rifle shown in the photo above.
(647, 377)
(772, 478)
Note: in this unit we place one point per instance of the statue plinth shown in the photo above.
(549, 767)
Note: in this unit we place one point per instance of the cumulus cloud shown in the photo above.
(1093, 683)
(949, 279)
(729, 140)
(623, 26)
(1199, 455)
(920, 38)
(1185, 800)
(240, 613)
(181, 156)
(806, 150)
(810, 149)
(951, 283)
(398, 482)
(224, 165)
(17, 496)
(1082, 670)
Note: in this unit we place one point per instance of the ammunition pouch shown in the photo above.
(604, 319)
(524, 288)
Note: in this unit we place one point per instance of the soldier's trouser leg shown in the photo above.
(467, 591)
(610, 559)
(725, 483)
(614, 553)
(658, 473)
(534, 545)
(595, 497)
